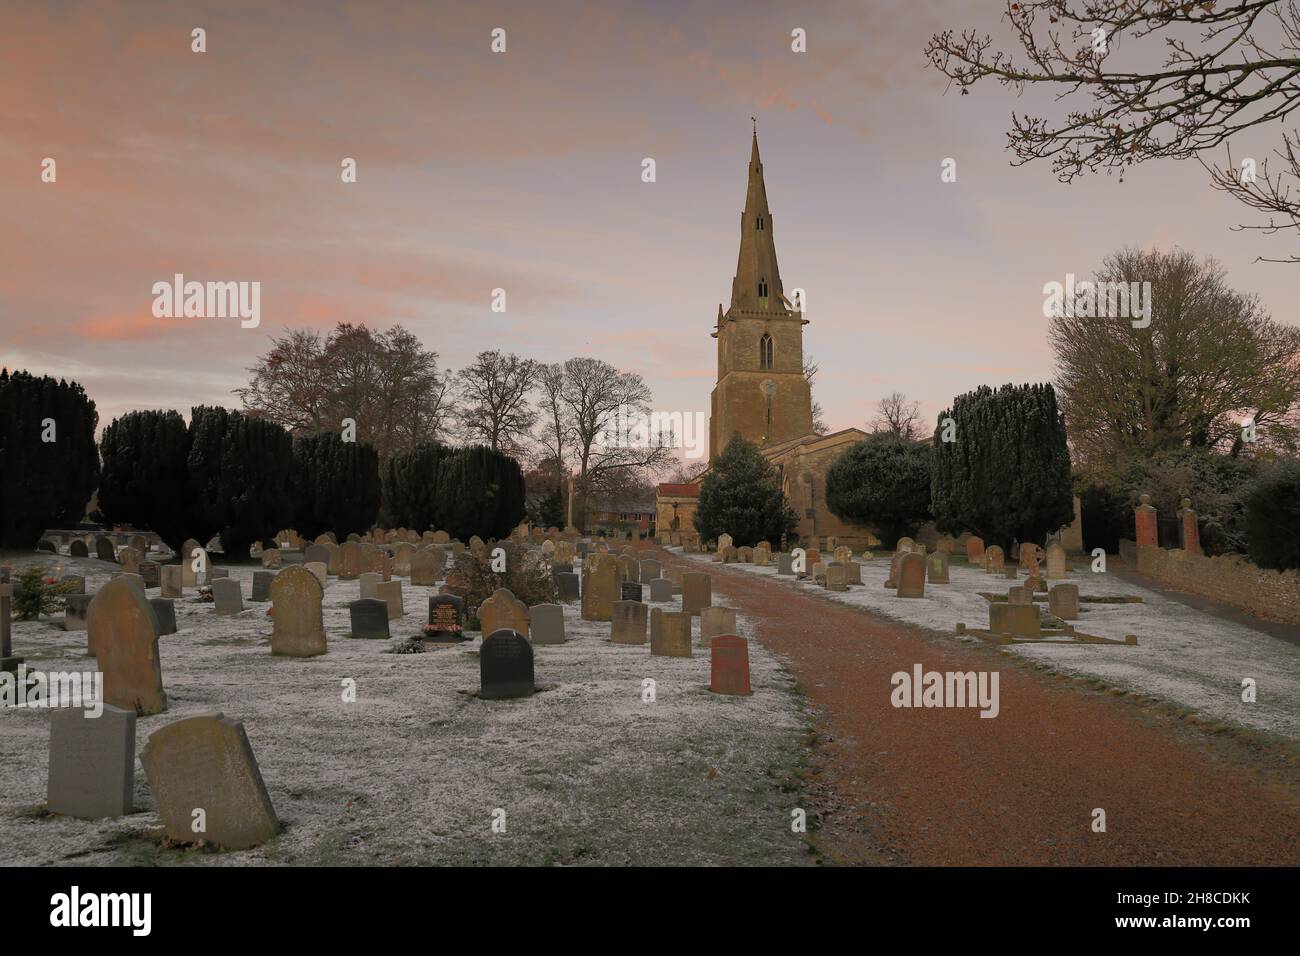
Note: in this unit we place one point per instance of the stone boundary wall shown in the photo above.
(1228, 578)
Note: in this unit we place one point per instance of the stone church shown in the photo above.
(761, 391)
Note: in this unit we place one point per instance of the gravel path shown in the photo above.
(944, 786)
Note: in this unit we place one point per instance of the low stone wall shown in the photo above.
(1227, 578)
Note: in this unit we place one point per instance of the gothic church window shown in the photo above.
(765, 351)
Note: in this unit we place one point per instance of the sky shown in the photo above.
(522, 171)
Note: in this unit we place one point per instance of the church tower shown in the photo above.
(761, 392)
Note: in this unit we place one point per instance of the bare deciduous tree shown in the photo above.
(810, 369)
(897, 416)
(1223, 68)
(494, 400)
(596, 395)
(556, 424)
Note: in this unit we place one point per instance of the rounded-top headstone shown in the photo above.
(296, 609)
(505, 666)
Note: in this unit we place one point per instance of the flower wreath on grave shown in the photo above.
(205, 593)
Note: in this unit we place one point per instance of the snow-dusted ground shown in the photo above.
(1183, 655)
(412, 772)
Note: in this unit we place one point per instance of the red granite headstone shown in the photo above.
(730, 666)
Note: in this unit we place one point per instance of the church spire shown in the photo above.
(757, 283)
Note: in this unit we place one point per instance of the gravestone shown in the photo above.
(1020, 620)
(427, 566)
(503, 612)
(994, 561)
(149, 573)
(672, 637)
(836, 578)
(164, 610)
(316, 553)
(92, 763)
(1056, 565)
(911, 576)
(134, 580)
(74, 612)
(8, 662)
(296, 611)
(320, 570)
(784, 564)
(1063, 601)
(262, 585)
(630, 591)
(347, 561)
(390, 592)
(172, 581)
(77, 582)
(216, 574)
(629, 569)
(1020, 595)
(505, 663)
(271, 558)
(936, 567)
(402, 559)
(104, 549)
(975, 550)
(628, 623)
(852, 572)
(78, 549)
(547, 624)
(122, 633)
(370, 580)
(650, 569)
(446, 618)
(661, 590)
(130, 560)
(697, 592)
(600, 587)
(227, 596)
(567, 582)
(729, 666)
(206, 763)
(894, 562)
(724, 541)
(191, 551)
(905, 544)
(369, 618)
(715, 621)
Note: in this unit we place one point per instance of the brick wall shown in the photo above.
(1227, 578)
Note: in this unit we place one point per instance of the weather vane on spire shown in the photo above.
(754, 120)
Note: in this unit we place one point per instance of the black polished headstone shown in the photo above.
(262, 585)
(446, 618)
(631, 591)
(165, 610)
(369, 618)
(505, 666)
(568, 585)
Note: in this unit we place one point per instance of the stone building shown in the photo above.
(761, 391)
(675, 506)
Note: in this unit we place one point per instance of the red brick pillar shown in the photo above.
(1191, 536)
(1144, 518)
